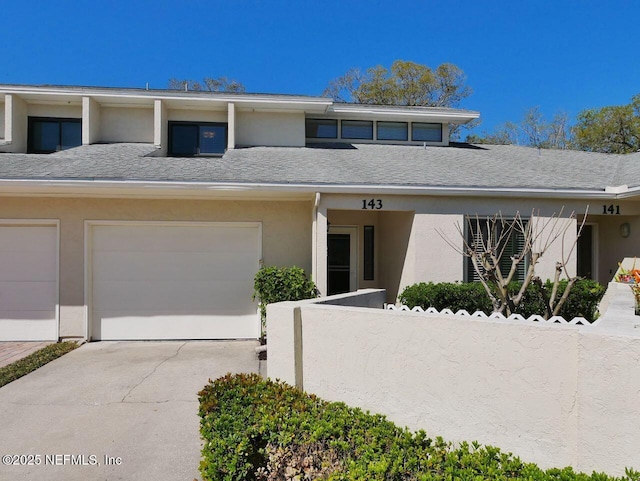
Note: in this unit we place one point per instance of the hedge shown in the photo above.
(582, 301)
(33, 361)
(267, 431)
(276, 284)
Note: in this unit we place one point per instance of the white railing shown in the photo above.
(576, 321)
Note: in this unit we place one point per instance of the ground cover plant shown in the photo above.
(582, 300)
(33, 361)
(266, 431)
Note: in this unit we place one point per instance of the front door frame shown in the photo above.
(352, 231)
(594, 250)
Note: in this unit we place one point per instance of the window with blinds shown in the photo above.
(478, 235)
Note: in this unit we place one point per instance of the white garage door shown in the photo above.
(174, 281)
(28, 283)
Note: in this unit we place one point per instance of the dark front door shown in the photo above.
(338, 263)
(585, 252)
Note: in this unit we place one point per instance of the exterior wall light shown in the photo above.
(625, 230)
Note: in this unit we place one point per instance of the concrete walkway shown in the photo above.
(12, 351)
(114, 410)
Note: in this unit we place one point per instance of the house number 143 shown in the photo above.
(372, 204)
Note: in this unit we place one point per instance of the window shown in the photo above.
(426, 132)
(188, 139)
(392, 131)
(321, 129)
(357, 129)
(47, 135)
(513, 245)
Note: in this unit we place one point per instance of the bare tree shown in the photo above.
(208, 84)
(487, 244)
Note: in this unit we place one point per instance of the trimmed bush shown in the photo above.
(33, 361)
(264, 430)
(277, 284)
(582, 301)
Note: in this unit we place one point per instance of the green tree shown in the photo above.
(208, 84)
(613, 129)
(405, 83)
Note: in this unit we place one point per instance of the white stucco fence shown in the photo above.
(556, 395)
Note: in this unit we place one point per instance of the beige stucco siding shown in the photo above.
(286, 233)
(2, 107)
(62, 111)
(270, 129)
(183, 115)
(126, 124)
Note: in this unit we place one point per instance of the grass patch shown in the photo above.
(33, 361)
(256, 430)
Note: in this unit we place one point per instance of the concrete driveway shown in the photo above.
(114, 410)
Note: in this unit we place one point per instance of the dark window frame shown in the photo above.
(171, 123)
(406, 130)
(425, 123)
(332, 121)
(32, 120)
(516, 237)
(342, 136)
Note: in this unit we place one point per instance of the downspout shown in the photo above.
(314, 238)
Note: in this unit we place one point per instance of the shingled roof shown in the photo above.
(500, 167)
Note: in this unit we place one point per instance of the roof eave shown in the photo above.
(180, 189)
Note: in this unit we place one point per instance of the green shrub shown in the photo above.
(469, 296)
(33, 361)
(264, 430)
(277, 284)
(582, 301)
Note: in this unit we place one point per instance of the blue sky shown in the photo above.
(558, 55)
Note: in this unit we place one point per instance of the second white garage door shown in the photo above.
(174, 281)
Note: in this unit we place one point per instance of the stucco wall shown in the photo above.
(433, 258)
(15, 124)
(2, 118)
(279, 221)
(126, 124)
(184, 115)
(63, 111)
(270, 129)
(555, 395)
(614, 247)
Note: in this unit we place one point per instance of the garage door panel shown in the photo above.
(186, 266)
(173, 238)
(174, 281)
(20, 238)
(27, 295)
(28, 283)
(28, 326)
(113, 326)
(175, 295)
(27, 266)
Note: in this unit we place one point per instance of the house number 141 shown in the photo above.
(611, 209)
(372, 204)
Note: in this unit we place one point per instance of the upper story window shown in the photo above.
(321, 128)
(187, 139)
(47, 135)
(357, 129)
(392, 130)
(426, 132)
